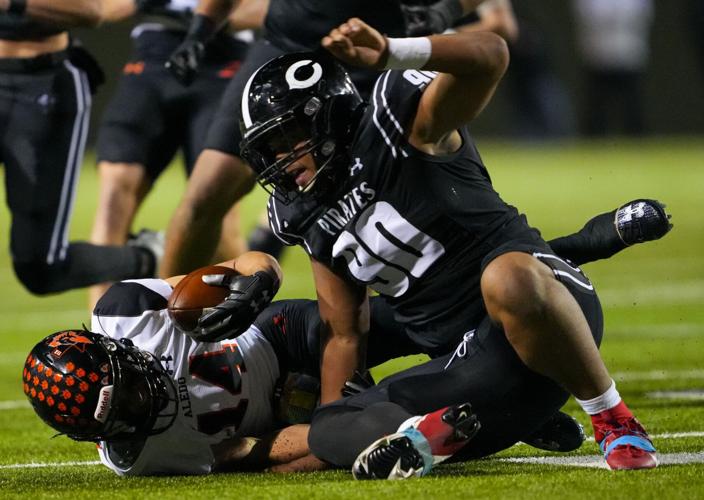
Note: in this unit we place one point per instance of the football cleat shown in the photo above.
(153, 242)
(623, 440)
(641, 220)
(415, 450)
(561, 433)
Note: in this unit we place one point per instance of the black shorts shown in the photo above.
(44, 114)
(152, 115)
(224, 134)
(510, 400)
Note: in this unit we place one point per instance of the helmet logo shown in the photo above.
(64, 341)
(295, 83)
(104, 399)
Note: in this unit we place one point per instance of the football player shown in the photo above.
(394, 196)
(220, 177)
(45, 99)
(151, 115)
(161, 402)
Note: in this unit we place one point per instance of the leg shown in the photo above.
(218, 181)
(41, 203)
(544, 321)
(123, 187)
(231, 242)
(607, 234)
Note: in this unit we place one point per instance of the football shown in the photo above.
(191, 296)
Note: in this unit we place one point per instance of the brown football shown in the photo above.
(191, 296)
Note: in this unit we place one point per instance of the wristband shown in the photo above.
(202, 28)
(17, 7)
(408, 53)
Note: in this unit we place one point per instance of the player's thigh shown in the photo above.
(134, 127)
(43, 151)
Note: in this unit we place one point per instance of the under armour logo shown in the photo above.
(356, 166)
(166, 362)
(627, 213)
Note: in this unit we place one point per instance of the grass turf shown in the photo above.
(654, 341)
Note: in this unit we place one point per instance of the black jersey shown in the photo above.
(416, 228)
(298, 25)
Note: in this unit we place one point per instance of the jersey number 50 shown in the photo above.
(386, 250)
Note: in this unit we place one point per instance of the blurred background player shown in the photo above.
(45, 99)
(614, 43)
(220, 176)
(151, 116)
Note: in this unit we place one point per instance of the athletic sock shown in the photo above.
(604, 402)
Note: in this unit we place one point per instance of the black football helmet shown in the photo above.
(293, 105)
(94, 388)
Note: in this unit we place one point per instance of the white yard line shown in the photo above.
(597, 461)
(682, 292)
(35, 465)
(657, 374)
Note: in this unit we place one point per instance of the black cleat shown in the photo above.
(560, 433)
(641, 220)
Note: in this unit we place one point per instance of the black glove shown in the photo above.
(184, 61)
(358, 383)
(248, 296)
(147, 6)
(423, 20)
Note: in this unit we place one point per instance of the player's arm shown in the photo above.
(470, 67)
(113, 11)
(285, 450)
(344, 315)
(248, 15)
(496, 16)
(246, 264)
(208, 17)
(65, 13)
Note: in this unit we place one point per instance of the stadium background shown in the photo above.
(652, 295)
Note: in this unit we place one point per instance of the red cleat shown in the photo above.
(623, 440)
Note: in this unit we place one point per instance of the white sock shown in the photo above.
(601, 403)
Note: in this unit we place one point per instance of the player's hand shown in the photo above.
(355, 42)
(233, 316)
(185, 60)
(423, 20)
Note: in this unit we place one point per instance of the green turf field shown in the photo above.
(653, 298)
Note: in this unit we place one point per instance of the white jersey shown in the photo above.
(225, 389)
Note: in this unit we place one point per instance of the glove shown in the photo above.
(248, 296)
(423, 20)
(184, 61)
(358, 383)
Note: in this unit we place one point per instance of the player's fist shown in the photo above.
(358, 44)
(248, 296)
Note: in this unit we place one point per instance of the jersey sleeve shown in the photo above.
(394, 101)
(131, 308)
